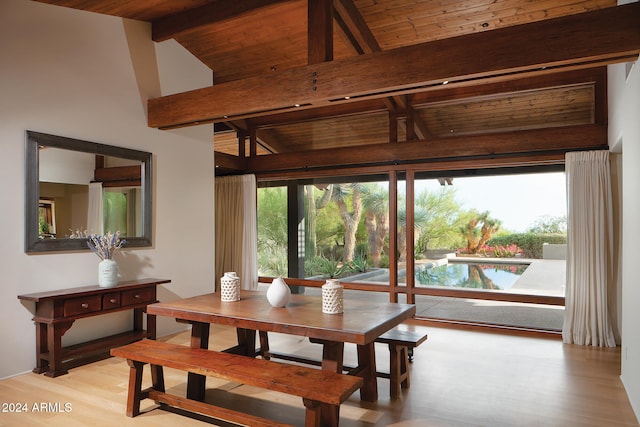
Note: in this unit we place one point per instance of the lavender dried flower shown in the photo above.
(105, 245)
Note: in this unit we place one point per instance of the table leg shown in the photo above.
(332, 358)
(246, 341)
(42, 364)
(138, 317)
(196, 384)
(55, 331)
(367, 361)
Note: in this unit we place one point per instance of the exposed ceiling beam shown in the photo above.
(271, 142)
(578, 41)
(359, 32)
(537, 141)
(445, 94)
(227, 162)
(354, 26)
(320, 31)
(559, 79)
(211, 13)
(302, 115)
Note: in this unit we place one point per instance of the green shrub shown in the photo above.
(530, 243)
(330, 267)
(273, 262)
(359, 263)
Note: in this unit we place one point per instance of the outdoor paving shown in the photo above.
(542, 277)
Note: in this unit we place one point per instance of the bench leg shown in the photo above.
(264, 345)
(398, 370)
(313, 414)
(157, 377)
(405, 382)
(134, 394)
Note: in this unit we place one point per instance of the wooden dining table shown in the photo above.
(361, 323)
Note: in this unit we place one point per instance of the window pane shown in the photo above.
(272, 231)
(487, 232)
(347, 231)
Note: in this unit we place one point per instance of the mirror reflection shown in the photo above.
(75, 188)
(72, 203)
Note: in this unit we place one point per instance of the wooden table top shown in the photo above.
(361, 323)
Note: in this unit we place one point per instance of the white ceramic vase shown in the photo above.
(107, 273)
(332, 297)
(278, 293)
(230, 287)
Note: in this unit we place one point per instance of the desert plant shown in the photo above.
(359, 263)
(331, 267)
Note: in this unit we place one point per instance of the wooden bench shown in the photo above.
(401, 340)
(322, 392)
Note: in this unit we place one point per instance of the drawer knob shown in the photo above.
(85, 305)
(137, 296)
(113, 300)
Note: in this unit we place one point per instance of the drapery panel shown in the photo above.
(236, 230)
(589, 249)
(95, 214)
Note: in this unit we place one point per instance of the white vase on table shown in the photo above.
(107, 273)
(332, 297)
(278, 293)
(230, 287)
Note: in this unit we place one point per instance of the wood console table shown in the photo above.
(57, 310)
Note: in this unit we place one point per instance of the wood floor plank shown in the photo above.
(459, 378)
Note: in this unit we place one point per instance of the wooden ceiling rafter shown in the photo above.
(354, 24)
(577, 41)
(532, 143)
(190, 20)
(597, 76)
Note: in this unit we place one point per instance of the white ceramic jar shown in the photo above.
(332, 297)
(230, 287)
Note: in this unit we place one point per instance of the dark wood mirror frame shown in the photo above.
(33, 141)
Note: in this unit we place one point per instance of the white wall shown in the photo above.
(88, 76)
(624, 135)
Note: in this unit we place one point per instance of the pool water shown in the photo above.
(470, 275)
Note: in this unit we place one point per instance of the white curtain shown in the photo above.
(237, 229)
(95, 222)
(589, 249)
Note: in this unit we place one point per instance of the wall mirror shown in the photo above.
(75, 187)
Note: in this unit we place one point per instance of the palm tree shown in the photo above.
(313, 205)
(420, 221)
(376, 218)
(350, 218)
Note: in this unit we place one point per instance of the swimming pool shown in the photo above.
(490, 276)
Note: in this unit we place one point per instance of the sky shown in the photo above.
(516, 200)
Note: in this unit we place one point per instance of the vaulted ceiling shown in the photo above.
(320, 83)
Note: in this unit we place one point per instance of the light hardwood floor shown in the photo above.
(459, 378)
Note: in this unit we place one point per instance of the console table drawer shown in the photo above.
(111, 300)
(137, 296)
(82, 305)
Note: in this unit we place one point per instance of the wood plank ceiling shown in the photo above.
(252, 46)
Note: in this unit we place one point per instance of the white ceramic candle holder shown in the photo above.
(332, 297)
(230, 287)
